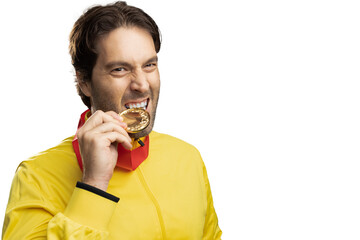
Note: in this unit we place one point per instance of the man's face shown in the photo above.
(126, 74)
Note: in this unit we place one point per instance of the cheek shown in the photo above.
(102, 91)
(154, 81)
(110, 89)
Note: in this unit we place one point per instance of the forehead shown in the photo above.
(127, 44)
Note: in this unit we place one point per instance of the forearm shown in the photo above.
(86, 216)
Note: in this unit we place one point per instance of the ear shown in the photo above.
(85, 87)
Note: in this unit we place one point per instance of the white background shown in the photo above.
(268, 91)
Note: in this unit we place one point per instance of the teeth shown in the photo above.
(137, 105)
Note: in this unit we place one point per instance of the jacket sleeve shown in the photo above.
(86, 216)
(30, 215)
(211, 228)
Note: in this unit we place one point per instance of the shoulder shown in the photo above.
(174, 151)
(53, 158)
(47, 175)
(167, 142)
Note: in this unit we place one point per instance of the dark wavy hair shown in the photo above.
(98, 21)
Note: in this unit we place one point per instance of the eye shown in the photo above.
(150, 66)
(119, 69)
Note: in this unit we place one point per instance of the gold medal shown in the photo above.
(137, 119)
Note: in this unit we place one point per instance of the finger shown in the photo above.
(118, 118)
(98, 118)
(119, 138)
(115, 115)
(110, 127)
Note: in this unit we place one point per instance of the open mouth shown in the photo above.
(143, 104)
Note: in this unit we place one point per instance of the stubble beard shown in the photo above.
(99, 102)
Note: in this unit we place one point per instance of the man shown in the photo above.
(106, 183)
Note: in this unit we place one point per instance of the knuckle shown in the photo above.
(93, 142)
(98, 112)
(85, 136)
(111, 112)
(79, 134)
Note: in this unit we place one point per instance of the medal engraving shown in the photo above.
(137, 119)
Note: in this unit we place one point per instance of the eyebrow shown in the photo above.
(153, 59)
(114, 64)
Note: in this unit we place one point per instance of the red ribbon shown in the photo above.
(127, 159)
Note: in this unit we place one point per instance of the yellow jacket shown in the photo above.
(167, 197)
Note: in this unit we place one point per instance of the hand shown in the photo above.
(98, 139)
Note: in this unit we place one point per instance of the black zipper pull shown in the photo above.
(140, 142)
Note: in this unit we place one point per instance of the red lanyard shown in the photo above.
(127, 159)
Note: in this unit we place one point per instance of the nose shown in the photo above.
(139, 82)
